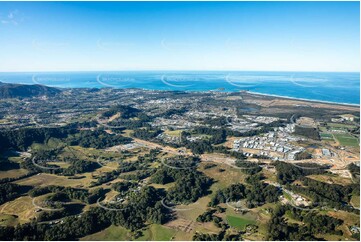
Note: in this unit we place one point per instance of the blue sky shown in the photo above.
(273, 36)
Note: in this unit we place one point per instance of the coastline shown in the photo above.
(272, 95)
(246, 91)
(304, 99)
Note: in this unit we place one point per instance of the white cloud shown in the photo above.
(11, 18)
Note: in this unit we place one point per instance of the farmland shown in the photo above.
(347, 140)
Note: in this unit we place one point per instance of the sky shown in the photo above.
(243, 36)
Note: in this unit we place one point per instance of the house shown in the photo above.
(326, 152)
(348, 117)
(354, 229)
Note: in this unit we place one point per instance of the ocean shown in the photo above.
(320, 86)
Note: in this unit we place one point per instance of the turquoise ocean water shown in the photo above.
(322, 86)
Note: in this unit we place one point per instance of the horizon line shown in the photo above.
(185, 70)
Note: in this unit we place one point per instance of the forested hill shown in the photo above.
(9, 90)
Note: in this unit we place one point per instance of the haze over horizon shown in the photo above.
(223, 36)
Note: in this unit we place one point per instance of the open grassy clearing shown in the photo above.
(161, 186)
(261, 234)
(355, 201)
(185, 229)
(157, 232)
(322, 129)
(261, 216)
(88, 153)
(338, 129)
(93, 154)
(348, 217)
(349, 220)
(223, 175)
(107, 166)
(127, 132)
(347, 140)
(110, 159)
(44, 179)
(330, 237)
(239, 222)
(51, 144)
(173, 132)
(60, 164)
(109, 196)
(326, 136)
(338, 125)
(290, 219)
(21, 207)
(186, 223)
(287, 196)
(258, 216)
(16, 159)
(182, 236)
(111, 233)
(193, 210)
(331, 178)
(13, 173)
(8, 220)
(269, 175)
(201, 136)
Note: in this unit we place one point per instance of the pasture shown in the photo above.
(22, 207)
(156, 232)
(326, 136)
(112, 233)
(347, 140)
(43, 179)
(13, 173)
(239, 222)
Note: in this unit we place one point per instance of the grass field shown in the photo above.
(186, 217)
(326, 136)
(60, 164)
(13, 173)
(16, 159)
(202, 136)
(21, 207)
(348, 218)
(355, 201)
(185, 228)
(224, 178)
(290, 219)
(165, 186)
(239, 222)
(116, 233)
(8, 220)
(323, 129)
(110, 233)
(259, 216)
(331, 178)
(173, 132)
(50, 179)
(156, 232)
(269, 175)
(347, 140)
(193, 210)
(344, 126)
(287, 196)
